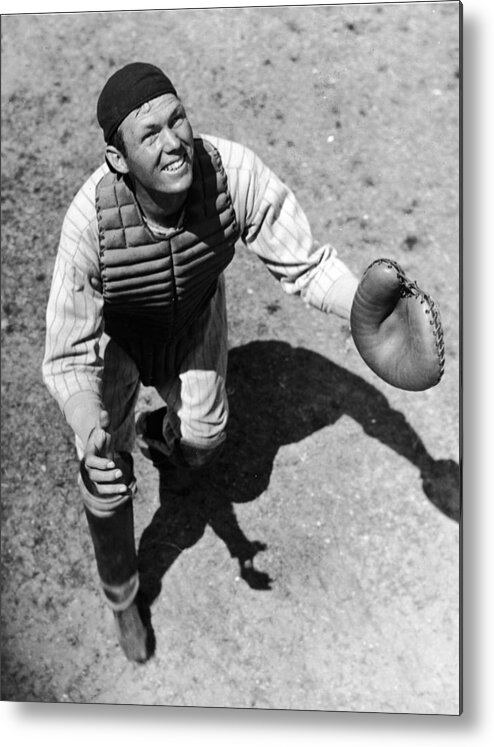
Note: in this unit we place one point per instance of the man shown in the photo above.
(138, 296)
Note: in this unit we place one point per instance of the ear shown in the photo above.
(116, 159)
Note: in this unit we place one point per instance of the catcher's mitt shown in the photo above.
(397, 329)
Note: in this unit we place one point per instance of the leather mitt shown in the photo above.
(397, 328)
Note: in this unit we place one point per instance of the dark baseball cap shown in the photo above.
(126, 90)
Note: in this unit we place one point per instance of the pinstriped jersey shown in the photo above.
(271, 223)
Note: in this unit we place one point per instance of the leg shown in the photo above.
(190, 431)
(197, 404)
(111, 525)
(111, 521)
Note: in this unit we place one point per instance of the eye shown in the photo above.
(150, 137)
(178, 119)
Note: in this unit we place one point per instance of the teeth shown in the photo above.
(176, 165)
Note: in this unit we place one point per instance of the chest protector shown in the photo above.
(155, 287)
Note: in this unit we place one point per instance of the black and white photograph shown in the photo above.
(231, 358)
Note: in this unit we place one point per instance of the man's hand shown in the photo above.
(102, 468)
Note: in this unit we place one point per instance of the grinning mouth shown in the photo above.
(175, 165)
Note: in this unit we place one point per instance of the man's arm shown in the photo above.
(72, 366)
(275, 227)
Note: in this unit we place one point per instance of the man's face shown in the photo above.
(160, 146)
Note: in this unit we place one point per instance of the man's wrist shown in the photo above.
(82, 413)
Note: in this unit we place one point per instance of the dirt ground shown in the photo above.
(342, 490)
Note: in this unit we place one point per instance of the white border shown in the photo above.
(65, 724)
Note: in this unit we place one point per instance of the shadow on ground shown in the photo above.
(278, 395)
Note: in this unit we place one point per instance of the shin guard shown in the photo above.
(111, 525)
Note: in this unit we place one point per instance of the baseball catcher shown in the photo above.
(138, 296)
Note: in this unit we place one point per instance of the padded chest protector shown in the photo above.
(154, 288)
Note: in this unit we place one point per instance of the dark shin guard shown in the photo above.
(111, 525)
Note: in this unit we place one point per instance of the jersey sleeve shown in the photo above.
(72, 366)
(274, 226)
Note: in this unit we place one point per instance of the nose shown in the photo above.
(169, 140)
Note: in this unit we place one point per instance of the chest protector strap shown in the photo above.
(155, 287)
